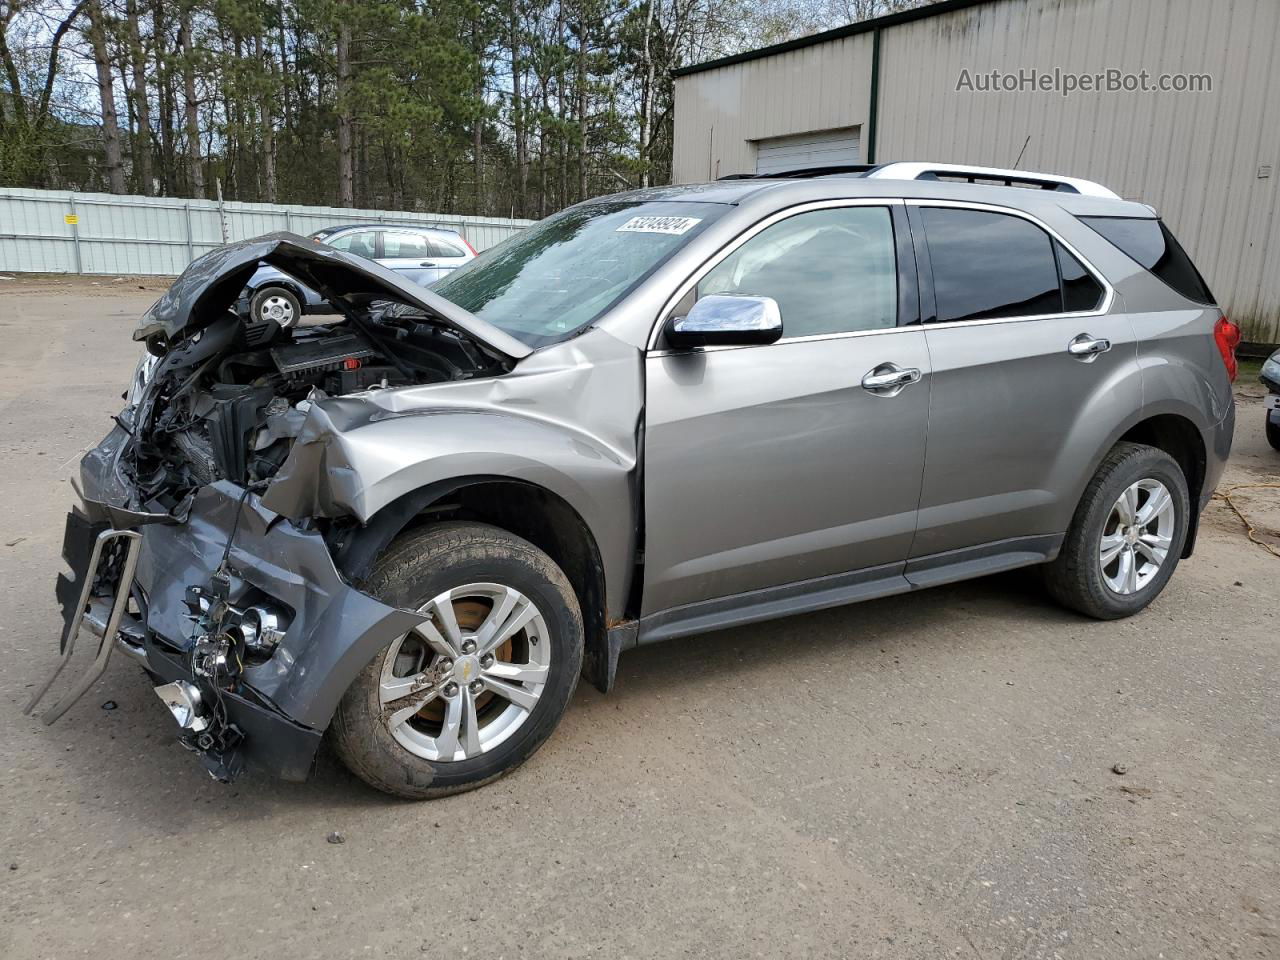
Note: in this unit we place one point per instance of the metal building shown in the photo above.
(1205, 151)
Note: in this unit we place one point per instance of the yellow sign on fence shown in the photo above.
(71, 219)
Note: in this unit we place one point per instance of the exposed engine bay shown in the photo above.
(226, 402)
(219, 397)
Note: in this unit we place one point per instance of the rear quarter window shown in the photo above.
(446, 248)
(1150, 243)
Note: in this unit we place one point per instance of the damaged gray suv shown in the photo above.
(650, 416)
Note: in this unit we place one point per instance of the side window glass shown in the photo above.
(1151, 244)
(831, 271)
(443, 248)
(1080, 291)
(988, 265)
(360, 243)
(406, 245)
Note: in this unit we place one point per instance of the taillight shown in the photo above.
(469, 247)
(1227, 336)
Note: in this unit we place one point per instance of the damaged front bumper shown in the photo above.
(160, 587)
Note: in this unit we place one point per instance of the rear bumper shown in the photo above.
(1217, 445)
(274, 712)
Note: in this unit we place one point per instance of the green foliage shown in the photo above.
(473, 106)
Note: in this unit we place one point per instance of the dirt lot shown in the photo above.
(921, 776)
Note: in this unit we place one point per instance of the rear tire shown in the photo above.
(490, 703)
(1126, 537)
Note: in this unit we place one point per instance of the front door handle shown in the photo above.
(890, 377)
(1085, 347)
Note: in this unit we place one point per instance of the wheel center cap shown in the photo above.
(466, 669)
(1131, 536)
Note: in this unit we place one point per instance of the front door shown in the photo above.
(773, 465)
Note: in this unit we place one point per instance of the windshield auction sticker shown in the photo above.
(670, 225)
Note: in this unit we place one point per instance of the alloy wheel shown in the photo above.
(468, 678)
(1136, 536)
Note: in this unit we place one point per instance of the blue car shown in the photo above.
(421, 254)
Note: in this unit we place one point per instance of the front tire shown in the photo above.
(277, 305)
(1273, 432)
(1126, 537)
(474, 691)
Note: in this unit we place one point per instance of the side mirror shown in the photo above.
(717, 321)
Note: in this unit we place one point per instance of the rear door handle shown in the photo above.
(1086, 347)
(890, 377)
(428, 263)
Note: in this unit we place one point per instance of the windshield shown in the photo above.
(553, 279)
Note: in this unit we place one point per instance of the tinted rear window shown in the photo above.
(988, 265)
(1150, 243)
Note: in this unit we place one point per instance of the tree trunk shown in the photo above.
(562, 171)
(266, 61)
(165, 98)
(195, 170)
(646, 106)
(141, 103)
(517, 112)
(477, 126)
(582, 105)
(346, 165)
(106, 92)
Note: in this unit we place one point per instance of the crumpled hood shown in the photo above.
(211, 285)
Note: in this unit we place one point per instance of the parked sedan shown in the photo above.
(421, 254)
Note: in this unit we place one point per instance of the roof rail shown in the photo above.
(1014, 178)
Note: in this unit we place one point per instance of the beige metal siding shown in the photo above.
(721, 113)
(1194, 156)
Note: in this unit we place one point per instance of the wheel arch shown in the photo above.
(1179, 437)
(528, 510)
(285, 284)
(1174, 429)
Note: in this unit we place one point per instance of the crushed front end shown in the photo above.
(240, 613)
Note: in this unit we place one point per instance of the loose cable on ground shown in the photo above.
(1225, 497)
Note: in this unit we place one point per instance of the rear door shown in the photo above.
(1031, 354)
(449, 252)
(781, 465)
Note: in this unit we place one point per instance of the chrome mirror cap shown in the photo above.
(718, 320)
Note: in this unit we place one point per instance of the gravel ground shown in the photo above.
(920, 776)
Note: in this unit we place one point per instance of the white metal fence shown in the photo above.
(55, 231)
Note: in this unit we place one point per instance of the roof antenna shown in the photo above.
(1021, 152)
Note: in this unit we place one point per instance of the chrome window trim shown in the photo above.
(727, 250)
(1109, 293)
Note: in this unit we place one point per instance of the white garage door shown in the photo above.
(823, 149)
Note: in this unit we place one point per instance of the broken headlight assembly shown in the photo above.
(142, 374)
